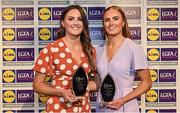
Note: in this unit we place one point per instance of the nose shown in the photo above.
(75, 22)
(111, 22)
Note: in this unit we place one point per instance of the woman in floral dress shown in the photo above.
(61, 59)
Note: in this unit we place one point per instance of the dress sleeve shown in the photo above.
(139, 58)
(44, 62)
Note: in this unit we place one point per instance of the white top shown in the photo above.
(128, 58)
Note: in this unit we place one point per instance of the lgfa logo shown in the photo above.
(153, 54)
(154, 75)
(44, 13)
(9, 54)
(8, 34)
(44, 34)
(8, 14)
(9, 96)
(8, 76)
(153, 34)
(151, 96)
(153, 14)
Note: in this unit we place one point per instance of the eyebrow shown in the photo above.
(74, 17)
(112, 17)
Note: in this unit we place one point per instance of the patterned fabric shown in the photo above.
(56, 60)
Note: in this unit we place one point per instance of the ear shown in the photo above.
(62, 23)
(123, 24)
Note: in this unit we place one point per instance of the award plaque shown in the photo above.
(107, 90)
(79, 82)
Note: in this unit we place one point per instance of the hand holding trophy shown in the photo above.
(107, 91)
(79, 85)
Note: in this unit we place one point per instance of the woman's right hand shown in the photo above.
(68, 95)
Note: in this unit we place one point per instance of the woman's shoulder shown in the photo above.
(130, 43)
(55, 43)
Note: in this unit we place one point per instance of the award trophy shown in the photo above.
(107, 91)
(79, 84)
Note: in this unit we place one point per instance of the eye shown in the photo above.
(70, 18)
(116, 18)
(106, 19)
(80, 19)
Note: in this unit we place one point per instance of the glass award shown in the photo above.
(107, 90)
(79, 84)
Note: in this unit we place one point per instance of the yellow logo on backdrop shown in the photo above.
(9, 111)
(44, 13)
(153, 34)
(9, 54)
(153, 14)
(9, 96)
(151, 96)
(8, 76)
(151, 111)
(154, 75)
(8, 14)
(153, 54)
(43, 111)
(44, 34)
(43, 98)
(8, 34)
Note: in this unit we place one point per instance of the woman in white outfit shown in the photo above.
(121, 58)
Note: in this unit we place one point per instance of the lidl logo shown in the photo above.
(42, 111)
(153, 14)
(44, 34)
(8, 34)
(43, 98)
(154, 75)
(153, 54)
(9, 111)
(9, 96)
(151, 96)
(153, 34)
(9, 54)
(151, 111)
(8, 14)
(8, 76)
(44, 13)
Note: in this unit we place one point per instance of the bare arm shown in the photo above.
(144, 85)
(40, 86)
(94, 82)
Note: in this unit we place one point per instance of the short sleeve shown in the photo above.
(139, 58)
(44, 62)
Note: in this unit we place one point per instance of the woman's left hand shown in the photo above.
(115, 104)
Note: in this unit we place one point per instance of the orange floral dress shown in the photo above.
(56, 60)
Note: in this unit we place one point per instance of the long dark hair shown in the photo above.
(84, 37)
(125, 29)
